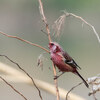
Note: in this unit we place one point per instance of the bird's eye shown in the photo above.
(52, 44)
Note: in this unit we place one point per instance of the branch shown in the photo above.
(13, 88)
(94, 30)
(72, 89)
(59, 23)
(18, 38)
(48, 33)
(44, 19)
(56, 83)
(25, 73)
(94, 83)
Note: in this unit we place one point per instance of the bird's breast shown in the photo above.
(59, 62)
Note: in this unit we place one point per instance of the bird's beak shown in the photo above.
(54, 48)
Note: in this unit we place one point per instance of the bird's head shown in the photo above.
(54, 47)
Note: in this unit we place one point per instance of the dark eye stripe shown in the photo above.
(52, 44)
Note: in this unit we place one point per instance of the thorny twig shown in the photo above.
(25, 73)
(13, 88)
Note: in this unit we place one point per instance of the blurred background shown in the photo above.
(22, 18)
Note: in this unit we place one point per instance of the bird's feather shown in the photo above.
(70, 61)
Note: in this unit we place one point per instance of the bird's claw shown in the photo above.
(55, 77)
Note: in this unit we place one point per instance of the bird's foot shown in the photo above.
(55, 77)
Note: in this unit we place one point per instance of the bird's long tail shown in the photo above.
(82, 79)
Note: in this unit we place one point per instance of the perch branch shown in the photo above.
(56, 83)
(48, 33)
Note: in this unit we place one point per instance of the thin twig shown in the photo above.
(59, 22)
(13, 88)
(78, 17)
(72, 89)
(44, 32)
(56, 83)
(25, 73)
(24, 41)
(44, 19)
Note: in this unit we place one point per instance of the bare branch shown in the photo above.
(72, 89)
(94, 30)
(13, 88)
(44, 19)
(59, 22)
(48, 32)
(78, 17)
(24, 41)
(56, 84)
(25, 73)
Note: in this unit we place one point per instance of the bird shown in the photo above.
(63, 61)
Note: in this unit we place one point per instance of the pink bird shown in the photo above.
(63, 61)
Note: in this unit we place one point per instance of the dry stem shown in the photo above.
(13, 88)
(24, 41)
(56, 84)
(59, 22)
(78, 17)
(72, 89)
(44, 19)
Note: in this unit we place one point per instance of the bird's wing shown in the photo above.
(70, 61)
